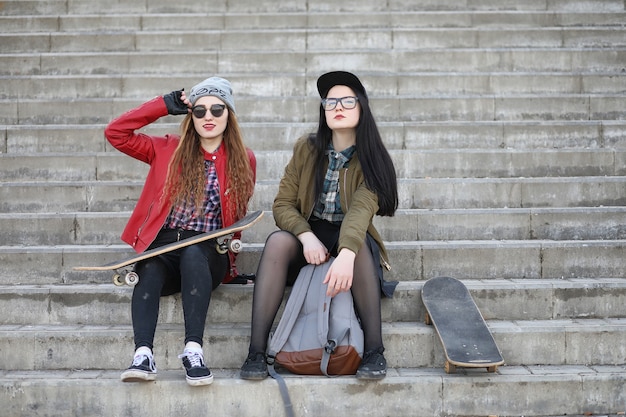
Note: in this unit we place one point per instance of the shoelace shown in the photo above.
(371, 356)
(195, 358)
(254, 357)
(138, 359)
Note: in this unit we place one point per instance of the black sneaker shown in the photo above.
(255, 367)
(373, 365)
(142, 369)
(197, 372)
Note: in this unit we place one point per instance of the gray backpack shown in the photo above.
(317, 334)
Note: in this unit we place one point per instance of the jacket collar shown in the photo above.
(220, 152)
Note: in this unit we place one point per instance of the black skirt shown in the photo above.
(328, 234)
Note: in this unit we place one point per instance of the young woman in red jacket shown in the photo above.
(199, 181)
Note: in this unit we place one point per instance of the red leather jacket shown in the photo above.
(150, 213)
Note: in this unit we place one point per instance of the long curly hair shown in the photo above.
(186, 178)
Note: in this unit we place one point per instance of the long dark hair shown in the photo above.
(378, 169)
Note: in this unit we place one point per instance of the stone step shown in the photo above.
(498, 299)
(303, 39)
(30, 7)
(426, 193)
(201, 62)
(407, 345)
(512, 107)
(416, 392)
(419, 84)
(410, 260)
(584, 223)
(263, 136)
(125, 21)
(115, 166)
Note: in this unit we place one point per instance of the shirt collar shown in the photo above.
(344, 155)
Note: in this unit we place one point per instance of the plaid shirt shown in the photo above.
(184, 215)
(328, 206)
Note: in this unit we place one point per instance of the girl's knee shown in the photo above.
(279, 235)
(193, 251)
(281, 239)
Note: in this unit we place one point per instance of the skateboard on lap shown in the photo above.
(125, 275)
(466, 339)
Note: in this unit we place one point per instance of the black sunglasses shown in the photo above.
(217, 110)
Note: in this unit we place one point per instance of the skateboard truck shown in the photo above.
(224, 244)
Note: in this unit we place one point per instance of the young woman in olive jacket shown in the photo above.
(336, 181)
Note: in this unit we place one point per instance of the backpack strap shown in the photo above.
(323, 321)
(284, 392)
(280, 336)
(329, 349)
(292, 309)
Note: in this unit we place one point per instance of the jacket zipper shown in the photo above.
(143, 224)
(345, 179)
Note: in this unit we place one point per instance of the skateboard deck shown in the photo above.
(466, 339)
(224, 241)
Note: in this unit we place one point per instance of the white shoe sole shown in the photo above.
(198, 382)
(134, 375)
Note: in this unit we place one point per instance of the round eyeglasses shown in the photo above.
(347, 103)
(217, 110)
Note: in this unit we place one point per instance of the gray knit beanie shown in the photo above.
(214, 86)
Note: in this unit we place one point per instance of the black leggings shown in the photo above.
(194, 271)
(279, 266)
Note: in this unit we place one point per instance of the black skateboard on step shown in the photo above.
(466, 339)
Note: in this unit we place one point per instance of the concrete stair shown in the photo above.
(506, 123)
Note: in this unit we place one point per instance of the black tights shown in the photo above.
(194, 271)
(281, 260)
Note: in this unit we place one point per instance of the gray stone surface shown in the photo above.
(505, 120)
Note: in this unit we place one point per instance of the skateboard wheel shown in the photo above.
(235, 245)
(117, 280)
(131, 279)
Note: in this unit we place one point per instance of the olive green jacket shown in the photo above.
(295, 201)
